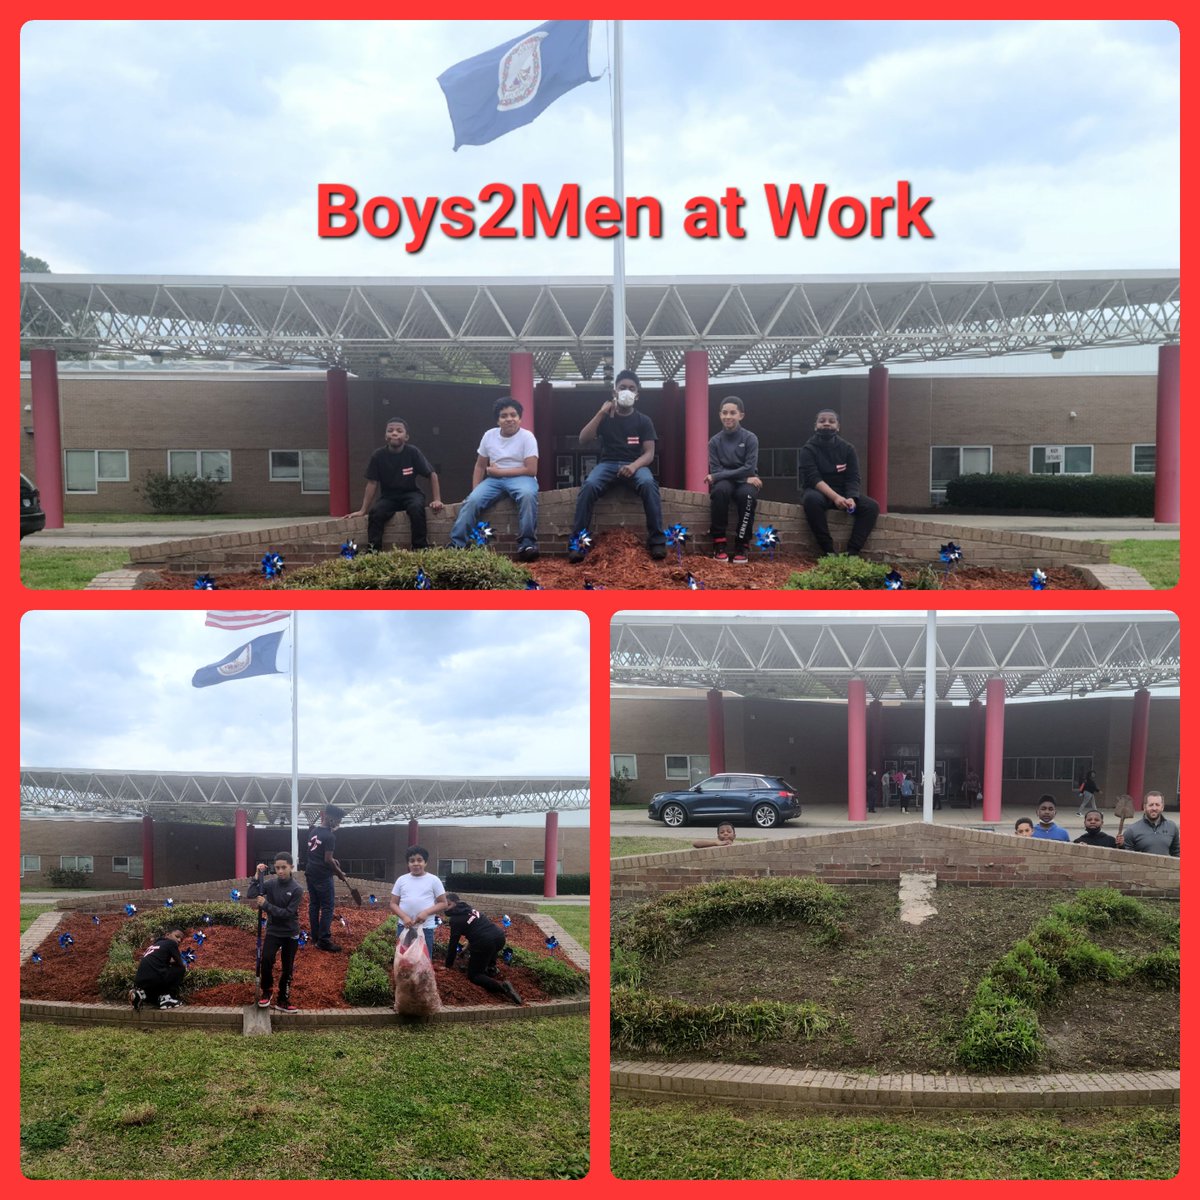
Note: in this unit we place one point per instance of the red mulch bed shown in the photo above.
(74, 974)
(619, 560)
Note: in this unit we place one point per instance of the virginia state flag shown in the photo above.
(254, 658)
(508, 86)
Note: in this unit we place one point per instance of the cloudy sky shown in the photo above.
(439, 693)
(168, 148)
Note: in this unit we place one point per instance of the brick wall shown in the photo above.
(970, 857)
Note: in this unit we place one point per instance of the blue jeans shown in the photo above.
(602, 476)
(320, 908)
(523, 491)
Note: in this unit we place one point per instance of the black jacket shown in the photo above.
(282, 908)
(470, 923)
(834, 462)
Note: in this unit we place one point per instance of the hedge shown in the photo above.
(396, 570)
(514, 885)
(1085, 495)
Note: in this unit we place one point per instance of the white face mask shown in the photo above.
(626, 398)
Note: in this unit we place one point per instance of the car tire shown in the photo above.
(766, 816)
(674, 815)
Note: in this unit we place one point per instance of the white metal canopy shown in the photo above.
(449, 328)
(794, 656)
(268, 800)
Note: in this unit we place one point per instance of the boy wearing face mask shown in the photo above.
(829, 472)
(627, 441)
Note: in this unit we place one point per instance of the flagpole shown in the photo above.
(295, 739)
(618, 127)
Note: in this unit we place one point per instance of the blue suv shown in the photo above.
(765, 800)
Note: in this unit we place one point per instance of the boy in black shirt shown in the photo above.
(1093, 821)
(160, 973)
(831, 479)
(279, 899)
(319, 869)
(485, 940)
(392, 474)
(627, 441)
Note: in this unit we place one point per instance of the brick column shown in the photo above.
(47, 434)
(543, 429)
(241, 868)
(337, 416)
(1139, 738)
(550, 858)
(716, 731)
(1166, 437)
(993, 750)
(856, 760)
(695, 416)
(520, 384)
(147, 852)
(877, 436)
(414, 832)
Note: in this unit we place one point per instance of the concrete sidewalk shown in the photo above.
(1085, 529)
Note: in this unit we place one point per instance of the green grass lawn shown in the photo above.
(68, 568)
(622, 847)
(682, 1141)
(31, 912)
(1158, 562)
(572, 917)
(462, 1101)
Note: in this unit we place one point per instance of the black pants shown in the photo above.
(816, 508)
(744, 497)
(286, 948)
(155, 982)
(482, 958)
(386, 507)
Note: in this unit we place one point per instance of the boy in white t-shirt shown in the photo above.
(506, 465)
(418, 897)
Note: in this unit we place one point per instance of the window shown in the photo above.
(500, 866)
(1144, 458)
(308, 467)
(1060, 460)
(780, 462)
(31, 862)
(539, 866)
(451, 866)
(86, 469)
(949, 462)
(623, 766)
(127, 864)
(692, 767)
(76, 862)
(1068, 769)
(364, 868)
(206, 464)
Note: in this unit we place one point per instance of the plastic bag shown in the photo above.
(416, 988)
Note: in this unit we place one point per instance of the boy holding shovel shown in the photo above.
(279, 902)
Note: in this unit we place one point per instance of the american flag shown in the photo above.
(243, 620)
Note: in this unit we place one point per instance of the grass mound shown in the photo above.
(397, 570)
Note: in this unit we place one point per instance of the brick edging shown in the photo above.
(780, 1087)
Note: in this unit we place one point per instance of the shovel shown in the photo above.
(1125, 810)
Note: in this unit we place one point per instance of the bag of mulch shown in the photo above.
(416, 987)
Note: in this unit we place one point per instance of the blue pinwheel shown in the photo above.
(1037, 580)
(272, 565)
(302, 940)
(951, 555)
(95, 920)
(552, 943)
(506, 920)
(204, 583)
(372, 900)
(343, 921)
(533, 586)
(461, 949)
(235, 894)
(66, 941)
(589, 586)
(188, 955)
(423, 583)
(580, 543)
(481, 533)
(206, 919)
(507, 956)
(168, 903)
(694, 584)
(37, 958)
(676, 536)
(349, 549)
(893, 580)
(130, 910)
(199, 938)
(766, 538)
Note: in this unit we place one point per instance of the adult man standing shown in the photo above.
(627, 443)
(830, 475)
(319, 871)
(1154, 833)
(1046, 828)
(506, 465)
(1094, 835)
(732, 475)
(392, 473)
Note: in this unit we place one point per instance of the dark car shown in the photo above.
(32, 517)
(767, 800)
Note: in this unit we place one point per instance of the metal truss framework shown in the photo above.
(463, 329)
(267, 799)
(786, 657)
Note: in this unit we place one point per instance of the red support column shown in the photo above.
(520, 384)
(975, 737)
(1139, 738)
(695, 417)
(993, 750)
(337, 416)
(543, 429)
(1166, 452)
(241, 868)
(856, 758)
(47, 434)
(414, 832)
(877, 436)
(550, 857)
(716, 732)
(147, 852)
(670, 432)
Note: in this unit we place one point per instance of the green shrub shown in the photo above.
(396, 570)
(1159, 969)
(179, 493)
(999, 1033)
(514, 885)
(367, 984)
(555, 976)
(379, 946)
(840, 572)
(60, 878)
(1099, 908)
(1085, 495)
(1025, 975)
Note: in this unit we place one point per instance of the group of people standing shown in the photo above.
(1152, 833)
(507, 461)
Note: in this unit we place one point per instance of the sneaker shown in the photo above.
(264, 1001)
(329, 947)
(137, 998)
(169, 1002)
(739, 559)
(658, 551)
(576, 556)
(286, 1006)
(719, 552)
(511, 992)
(528, 554)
